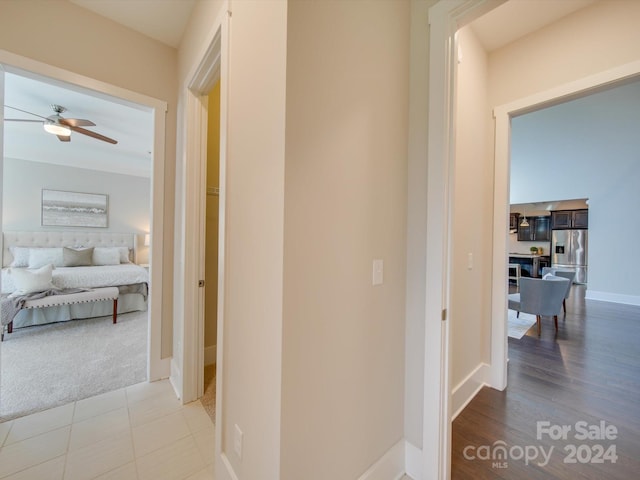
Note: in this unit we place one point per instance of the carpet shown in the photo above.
(51, 365)
(208, 400)
(517, 327)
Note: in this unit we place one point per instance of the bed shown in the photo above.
(108, 260)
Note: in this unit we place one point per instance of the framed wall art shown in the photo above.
(74, 209)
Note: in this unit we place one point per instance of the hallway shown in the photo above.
(589, 372)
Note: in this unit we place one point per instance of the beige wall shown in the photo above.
(345, 204)
(472, 214)
(213, 203)
(591, 40)
(198, 33)
(254, 236)
(64, 35)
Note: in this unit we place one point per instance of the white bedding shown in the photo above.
(89, 277)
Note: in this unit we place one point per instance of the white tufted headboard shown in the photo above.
(66, 239)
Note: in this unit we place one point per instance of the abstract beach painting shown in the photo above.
(74, 209)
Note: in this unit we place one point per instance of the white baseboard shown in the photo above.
(612, 297)
(226, 470)
(175, 378)
(412, 461)
(402, 458)
(210, 355)
(389, 467)
(464, 392)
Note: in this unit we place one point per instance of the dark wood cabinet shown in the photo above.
(537, 231)
(563, 219)
(524, 233)
(542, 232)
(514, 218)
(581, 219)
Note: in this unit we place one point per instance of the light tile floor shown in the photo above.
(137, 433)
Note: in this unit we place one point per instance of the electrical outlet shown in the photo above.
(237, 441)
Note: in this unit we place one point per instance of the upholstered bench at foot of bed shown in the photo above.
(93, 295)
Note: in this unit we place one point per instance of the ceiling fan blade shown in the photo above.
(76, 122)
(24, 111)
(21, 120)
(95, 135)
(63, 138)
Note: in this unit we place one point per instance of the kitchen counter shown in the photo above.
(531, 264)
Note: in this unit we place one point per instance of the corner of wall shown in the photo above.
(175, 378)
(390, 466)
(468, 388)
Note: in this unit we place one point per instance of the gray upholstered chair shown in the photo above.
(540, 297)
(568, 274)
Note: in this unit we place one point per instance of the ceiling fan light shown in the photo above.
(56, 129)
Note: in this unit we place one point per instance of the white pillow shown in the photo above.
(39, 257)
(124, 254)
(20, 256)
(30, 281)
(106, 256)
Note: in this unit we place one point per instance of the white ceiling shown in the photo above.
(130, 125)
(516, 18)
(165, 21)
(162, 20)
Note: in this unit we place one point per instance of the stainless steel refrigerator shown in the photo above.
(569, 252)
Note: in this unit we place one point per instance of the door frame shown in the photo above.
(211, 68)
(157, 368)
(211, 65)
(445, 19)
(503, 115)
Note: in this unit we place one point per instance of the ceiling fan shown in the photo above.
(60, 126)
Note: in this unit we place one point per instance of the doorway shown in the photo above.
(446, 18)
(212, 217)
(15, 65)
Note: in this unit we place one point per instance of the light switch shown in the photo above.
(378, 272)
(470, 261)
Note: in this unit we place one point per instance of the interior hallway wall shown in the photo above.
(472, 217)
(345, 205)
